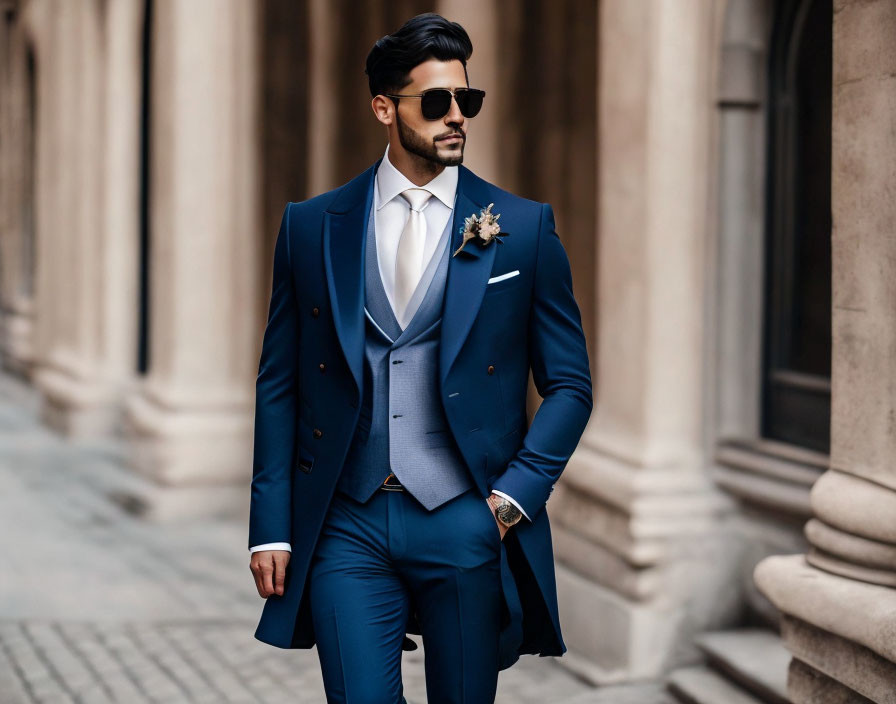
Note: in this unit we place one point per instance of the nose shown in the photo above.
(454, 115)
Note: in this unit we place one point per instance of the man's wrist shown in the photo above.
(270, 546)
(505, 511)
(513, 501)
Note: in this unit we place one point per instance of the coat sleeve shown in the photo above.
(559, 360)
(276, 389)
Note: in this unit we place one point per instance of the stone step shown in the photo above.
(753, 658)
(700, 685)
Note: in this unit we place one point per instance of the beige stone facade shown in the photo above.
(147, 148)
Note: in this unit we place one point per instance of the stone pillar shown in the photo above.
(117, 294)
(69, 365)
(323, 125)
(480, 19)
(16, 195)
(88, 69)
(838, 601)
(644, 562)
(190, 422)
(344, 136)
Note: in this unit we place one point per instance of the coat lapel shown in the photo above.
(468, 272)
(345, 227)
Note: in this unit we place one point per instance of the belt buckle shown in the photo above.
(390, 486)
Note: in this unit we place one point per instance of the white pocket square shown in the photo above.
(504, 276)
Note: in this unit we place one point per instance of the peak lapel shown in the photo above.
(468, 272)
(345, 229)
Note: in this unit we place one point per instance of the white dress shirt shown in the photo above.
(392, 212)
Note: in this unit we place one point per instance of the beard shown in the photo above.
(417, 144)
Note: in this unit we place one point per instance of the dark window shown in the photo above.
(796, 390)
(143, 330)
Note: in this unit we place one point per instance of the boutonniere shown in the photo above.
(482, 228)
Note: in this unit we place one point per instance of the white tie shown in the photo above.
(409, 258)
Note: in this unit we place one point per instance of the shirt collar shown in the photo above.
(390, 182)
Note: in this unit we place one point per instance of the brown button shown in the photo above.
(322, 366)
(315, 311)
(316, 433)
(491, 368)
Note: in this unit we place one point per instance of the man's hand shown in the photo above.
(501, 526)
(269, 569)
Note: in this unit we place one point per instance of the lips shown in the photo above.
(451, 138)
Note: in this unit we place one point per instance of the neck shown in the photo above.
(416, 169)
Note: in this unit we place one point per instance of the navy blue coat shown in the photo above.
(305, 418)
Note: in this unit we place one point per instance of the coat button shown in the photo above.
(316, 433)
(322, 366)
(315, 311)
(491, 368)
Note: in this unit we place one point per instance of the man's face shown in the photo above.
(432, 139)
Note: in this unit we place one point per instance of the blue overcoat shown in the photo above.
(310, 376)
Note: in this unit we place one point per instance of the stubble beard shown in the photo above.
(426, 150)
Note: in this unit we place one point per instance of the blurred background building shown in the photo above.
(723, 176)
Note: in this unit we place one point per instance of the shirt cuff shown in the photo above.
(510, 499)
(271, 546)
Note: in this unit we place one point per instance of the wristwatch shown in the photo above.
(504, 511)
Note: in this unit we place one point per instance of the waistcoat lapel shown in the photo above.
(378, 308)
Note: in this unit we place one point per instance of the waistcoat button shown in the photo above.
(491, 368)
(316, 433)
(322, 366)
(315, 311)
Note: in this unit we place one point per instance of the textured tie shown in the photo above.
(409, 258)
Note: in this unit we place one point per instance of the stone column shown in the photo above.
(344, 136)
(644, 563)
(480, 19)
(190, 422)
(323, 126)
(87, 179)
(118, 288)
(69, 365)
(16, 196)
(838, 601)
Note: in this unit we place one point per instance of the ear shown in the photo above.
(384, 109)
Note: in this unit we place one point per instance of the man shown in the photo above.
(396, 487)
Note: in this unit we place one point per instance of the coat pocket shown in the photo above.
(305, 460)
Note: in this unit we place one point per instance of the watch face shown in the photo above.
(507, 513)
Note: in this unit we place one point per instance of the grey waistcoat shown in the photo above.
(402, 426)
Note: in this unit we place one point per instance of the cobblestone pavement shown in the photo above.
(97, 605)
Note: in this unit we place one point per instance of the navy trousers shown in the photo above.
(376, 561)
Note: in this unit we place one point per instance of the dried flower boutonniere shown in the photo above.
(483, 228)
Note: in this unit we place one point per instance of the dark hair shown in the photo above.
(426, 36)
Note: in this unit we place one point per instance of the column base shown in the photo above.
(75, 405)
(826, 665)
(18, 346)
(647, 560)
(613, 639)
(837, 627)
(806, 685)
(198, 460)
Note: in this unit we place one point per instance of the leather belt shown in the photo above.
(391, 483)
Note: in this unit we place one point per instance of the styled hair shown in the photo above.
(426, 36)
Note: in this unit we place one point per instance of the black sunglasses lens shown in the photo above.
(435, 104)
(469, 102)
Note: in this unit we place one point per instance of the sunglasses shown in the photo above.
(436, 102)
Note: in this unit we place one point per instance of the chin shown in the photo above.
(452, 154)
